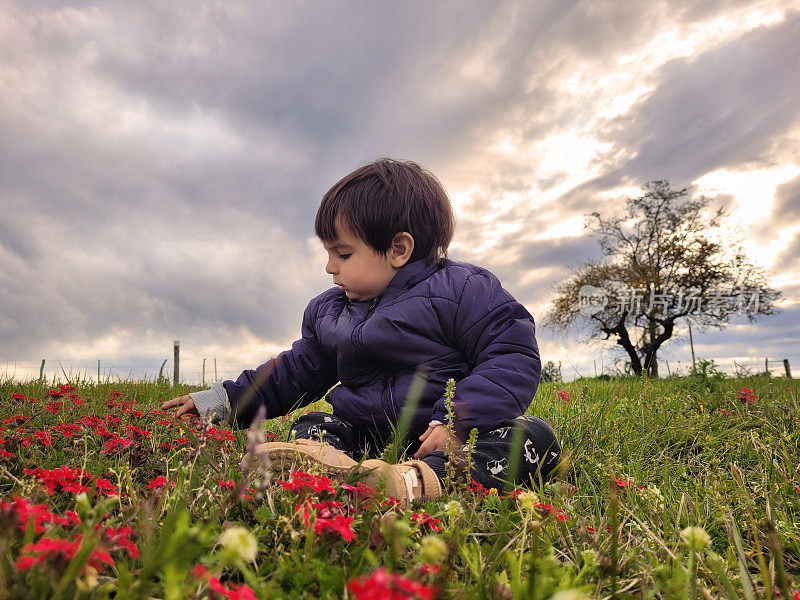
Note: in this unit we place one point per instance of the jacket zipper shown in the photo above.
(356, 336)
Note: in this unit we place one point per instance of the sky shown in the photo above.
(162, 162)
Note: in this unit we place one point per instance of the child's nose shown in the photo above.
(330, 268)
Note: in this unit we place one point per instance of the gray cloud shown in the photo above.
(168, 158)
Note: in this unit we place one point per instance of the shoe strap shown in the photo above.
(431, 488)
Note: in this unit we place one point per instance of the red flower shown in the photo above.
(746, 395)
(44, 438)
(340, 524)
(200, 571)
(221, 434)
(158, 482)
(562, 395)
(59, 552)
(302, 480)
(549, 509)
(359, 495)
(325, 510)
(23, 510)
(478, 488)
(426, 519)
(117, 539)
(108, 488)
(236, 592)
(622, 482)
(428, 569)
(388, 586)
(226, 484)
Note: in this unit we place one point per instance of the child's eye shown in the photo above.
(345, 256)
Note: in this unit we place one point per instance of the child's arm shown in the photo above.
(497, 335)
(293, 379)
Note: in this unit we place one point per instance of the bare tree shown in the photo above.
(661, 264)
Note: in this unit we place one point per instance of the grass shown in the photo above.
(644, 461)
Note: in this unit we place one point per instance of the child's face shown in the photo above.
(357, 269)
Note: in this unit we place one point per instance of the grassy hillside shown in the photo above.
(672, 488)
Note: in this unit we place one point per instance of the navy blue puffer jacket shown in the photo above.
(450, 319)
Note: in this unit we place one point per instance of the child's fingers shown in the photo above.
(173, 403)
(187, 406)
(425, 435)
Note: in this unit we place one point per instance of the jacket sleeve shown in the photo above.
(293, 379)
(498, 337)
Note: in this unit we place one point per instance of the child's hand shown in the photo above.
(435, 438)
(185, 405)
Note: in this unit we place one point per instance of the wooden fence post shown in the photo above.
(98, 370)
(215, 371)
(204, 371)
(786, 367)
(177, 355)
(41, 371)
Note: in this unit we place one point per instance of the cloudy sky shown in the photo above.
(162, 162)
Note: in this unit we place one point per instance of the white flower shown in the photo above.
(454, 509)
(240, 541)
(434, 550)
(696, 537)
(569, 595)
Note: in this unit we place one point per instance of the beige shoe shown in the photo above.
(290, 456)
(406, 481)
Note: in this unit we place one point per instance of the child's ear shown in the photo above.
(402, 247)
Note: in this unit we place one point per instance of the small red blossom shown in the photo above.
(340, 524)
(426, 519)
(428, 569)
(200, 571)
(23, 510)
(45, 439)
(382, 585)
(221, 434)
(117, 539)
(513, 493)
(116, 443)
(226, 484)
(59, 552)
(478, 488)
(159, 482)
(746, 395)
(549, 509)
(137, 431)
(563, 396)
(300, 481)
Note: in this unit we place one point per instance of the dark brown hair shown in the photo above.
(388, 196)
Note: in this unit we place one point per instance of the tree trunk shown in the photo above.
(652, 366)
(650, 361)
(624, 340)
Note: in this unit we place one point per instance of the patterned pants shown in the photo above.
(538, 455)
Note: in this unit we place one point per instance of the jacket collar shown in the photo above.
(408, 276)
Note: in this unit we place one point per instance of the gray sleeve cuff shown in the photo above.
(214, 400)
